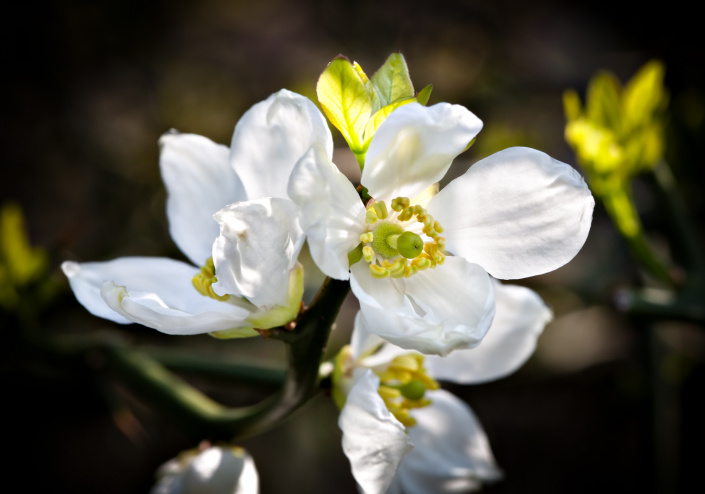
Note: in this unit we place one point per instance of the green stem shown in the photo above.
(633, 304)
(305, 348)
(211, 365)
(620, 206)
(682, 230)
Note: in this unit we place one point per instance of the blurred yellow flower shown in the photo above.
(619, 132)
(20, 263)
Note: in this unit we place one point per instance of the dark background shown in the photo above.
(90, 86)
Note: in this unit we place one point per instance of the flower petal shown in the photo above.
(216, 470)
(199, 181)
(258, 246)
(451, 451)
(332, 214)
(155, 292)
(517, 213)
(373, 439)
(520, 316)
(271, 137)
(414, 148)
(435, 311)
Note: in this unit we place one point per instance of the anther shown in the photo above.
(366, 238)
(378, 271)
(368, 253)
(381, 209)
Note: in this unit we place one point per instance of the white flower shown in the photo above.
(515, 214)
(434, 443)
(229, 212)
(215, 470)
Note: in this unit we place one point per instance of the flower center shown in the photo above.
(204, 280)
(403, 385)
(392, 251)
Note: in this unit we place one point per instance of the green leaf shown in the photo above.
(346, 100)
(424, 95)
(392, 80)
(371, 89)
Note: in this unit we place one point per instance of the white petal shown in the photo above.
(414, 148)
(271, 137)
(362, 342)
(435, 311)
(520, 316)
(85, 281)
(155, 292)
(517, 213)
(217, 470)
(451, 451)
(332, 214)
(373, 439)
(258, 246)
(199, 181)
(369, 349)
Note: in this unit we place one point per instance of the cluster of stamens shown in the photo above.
(403, 386)
(403, 253)
(204, 280)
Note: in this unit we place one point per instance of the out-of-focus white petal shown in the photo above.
(199, 181)
(435, 311)
(373, 439)
(216, 470)
(414, 148)
(369, 349)
(517, 213)
(271, 137)
(156, 292)
(258, 246)
(362, 342)
(332, 214)
(520, 316)
(451, 451)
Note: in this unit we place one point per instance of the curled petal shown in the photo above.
(436, 311)
(373, 439)
(517, 213)
(451, 451)
(271, 137)
(414, 148)
(199, 181)
(520, 316)
(155, 292)
(258, 246)
(332, 214)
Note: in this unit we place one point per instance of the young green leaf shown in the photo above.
(425, 94)
(392, 80)
(345, 100)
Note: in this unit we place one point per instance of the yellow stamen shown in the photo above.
(204, 280)
(403, 385)
(386, 256)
